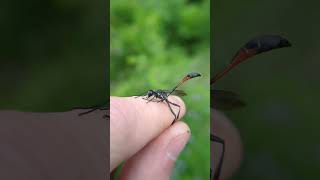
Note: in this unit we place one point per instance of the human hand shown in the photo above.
(141, 135)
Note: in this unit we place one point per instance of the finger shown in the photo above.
(222, 127)
(134, 123)
(156, 160)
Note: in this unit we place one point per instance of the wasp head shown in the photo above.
(150, 93)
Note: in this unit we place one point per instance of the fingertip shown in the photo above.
(179, 128)
(159, 155)
(179, 136)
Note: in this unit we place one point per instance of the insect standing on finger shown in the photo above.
(151, 96)
(162, 95)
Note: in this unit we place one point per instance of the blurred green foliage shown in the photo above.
(153, 45)
(52, 54)
(280, 125)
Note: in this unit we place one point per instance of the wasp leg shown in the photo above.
(157, 101)
(92, 109)
(175, 116)
(219, 167)
(176, 106)
(89, 111)
(162, 98)
(150, 99)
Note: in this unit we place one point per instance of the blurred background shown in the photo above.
(153, 45)
(53, 54)
(280, 125)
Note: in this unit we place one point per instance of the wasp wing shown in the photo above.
(225, 100)
(176, 92)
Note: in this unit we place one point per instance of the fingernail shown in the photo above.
(176, 145)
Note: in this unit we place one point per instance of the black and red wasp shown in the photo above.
(160, 95)
(222, 99)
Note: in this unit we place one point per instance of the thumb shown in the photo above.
(156, 160)
(134, 123)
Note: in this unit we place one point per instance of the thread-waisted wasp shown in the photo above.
(154, 96)
(160, 95)
(222, 99)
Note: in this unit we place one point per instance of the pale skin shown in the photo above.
(154, 121)
(59, 145)
(141, 135)
(64, 145)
